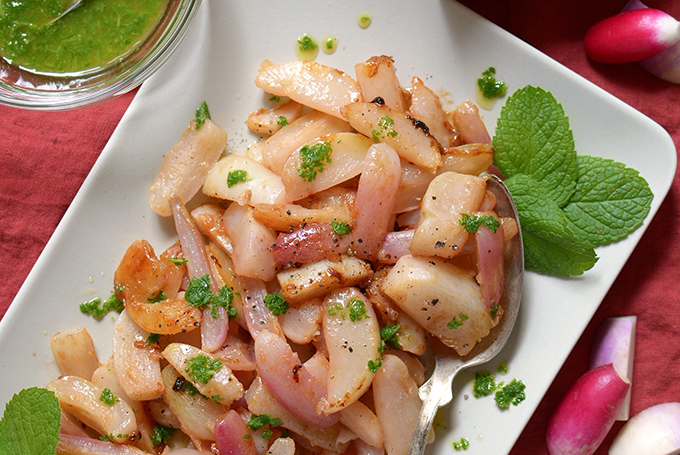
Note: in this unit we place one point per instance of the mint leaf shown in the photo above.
(610, 201)
(31, 423)
(533, 138)
(550, 247)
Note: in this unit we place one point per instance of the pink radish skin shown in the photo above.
(654, 431)
(631, 36)
(614, 343)
(587, 412)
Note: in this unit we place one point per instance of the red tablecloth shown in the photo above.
(44, 158)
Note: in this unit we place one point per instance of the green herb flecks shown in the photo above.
(385, 129)
(373, 365)
(490, 87)
(485, 384)
(178, 261)
(159, 297)
(282, 121)
(275, 98)
(30, 423)
(258, 421)
(202, 113)
(313, 159)
(237, 176)
(463, 444)
(152, 338)
(513, 393)
(472, 223)
(200, 295)
(340, 227)
(567, 204)
(98, 309)
(389, 335)
(202, 368)
(161, 435)
(276, 304)
(494, 310)
(107, 397)
(454, 323)
(306, 43)
(357, 309)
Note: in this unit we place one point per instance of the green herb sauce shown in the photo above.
(306, 47)
(329, 44)
(96, 34)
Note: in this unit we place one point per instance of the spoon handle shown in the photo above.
(435, 392)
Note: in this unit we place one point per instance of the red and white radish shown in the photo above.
(631, 36)
(587, 412)
(614, 343)
(656, 430)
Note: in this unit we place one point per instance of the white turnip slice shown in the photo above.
(614, 343)
(377, 77)
(587, 412)
(653, 431)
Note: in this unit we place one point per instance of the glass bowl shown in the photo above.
(25, 89)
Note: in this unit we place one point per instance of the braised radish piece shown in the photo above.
(412, 186)
(77, 445)
(470, 159)
(426, 107)
(587, 412)
(614, 343)
(470, 125)
(74, 352)
(96, 407)
(311, 243)
(315, 85)
(269, 121)
(288, 217)
(303, 323)
(352, 335)
(655, 430)
(631, 36)
(240, 179)
(377, 78)
(411, 139)
(186, 165)
(208, 218)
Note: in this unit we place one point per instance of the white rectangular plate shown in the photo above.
(444, 44)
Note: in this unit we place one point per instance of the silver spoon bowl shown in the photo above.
(446, 364)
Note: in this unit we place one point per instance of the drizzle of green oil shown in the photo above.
(329, 44)
(306, 47)
(96, 34)
(364, 20)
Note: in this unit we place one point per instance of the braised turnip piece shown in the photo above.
(490, 262)
(225, 275)
(415, 367)
(470, 125)
(396, 245)
(105, 377)
(319, 278)
(208, 374)
(269, 121)
(89, 403)
(159, 410)
(320, 165)
(252, 243)
(236, 354)
(363, 422)
(426, 107)
(282, 446)
(352, 336)
(315, 85)
(186, 165)
(256, 314)
(196, 413)
(470, 159)
(439, 232)
(261, 401)
(208, 218)
(295, 388)
(377, 77)
(412, 186)
(311, 243)
(442, 298)
(397, 404)
(275, 150)
(301, 324)
(411, 336)
(140, 278)
(240, 179)
(376, 194)
(409, 138)
(74, 352)
(287, 217)
(136, 362)
(233, 436)
(76, 445)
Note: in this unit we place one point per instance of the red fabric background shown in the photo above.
(44, 158)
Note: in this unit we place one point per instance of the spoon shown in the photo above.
(437, 392)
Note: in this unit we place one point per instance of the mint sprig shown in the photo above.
(31, 423)
(568, 204)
